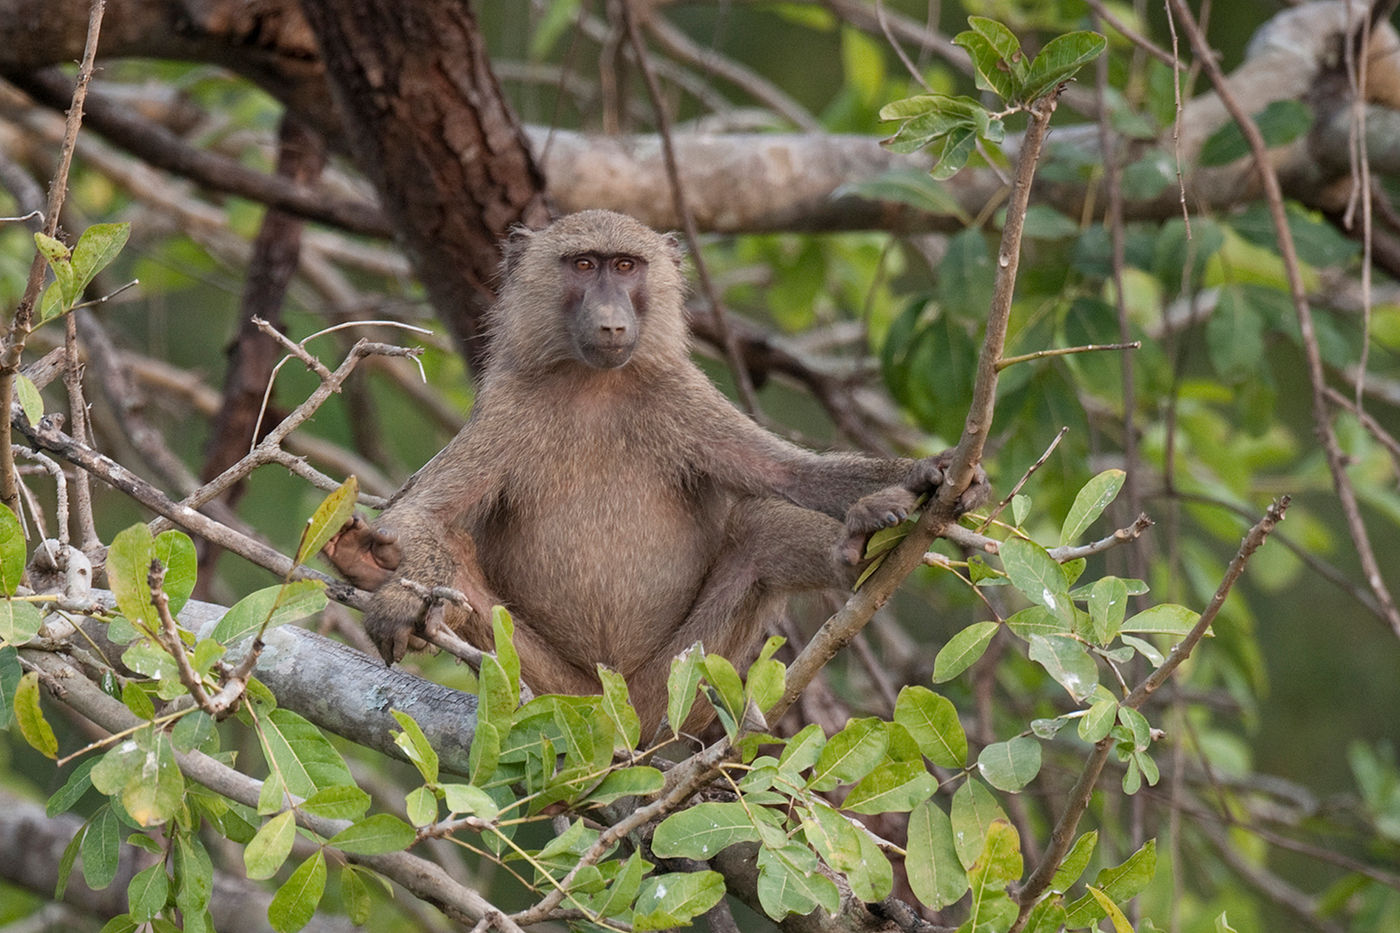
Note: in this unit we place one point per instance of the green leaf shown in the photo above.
(1066, 660)
(626, 782)
(1035, 574)
(1235, 336)
(766, 679)
(275, 605)
(270, 846)
(850, 754)
(175, 551)
(142, 771)
(304, 757)
(957, 148)
(72, 790)
(138, 700)
(503, 635)
(680, 686)
(1163, 619)
(354, 895)
(962, 651)
(485, 753)
(1108, 604)
(12, 553)
(147, 891)
(674, 899)
(341, 802)
(96, 249)
(1090, 502)
(704, 830)
(128, 572)
(933, 722)
(1036, 620)
(722, 676)
(974, 810)
(194, 882)
(1074, 862)
(19, 621)
(377, 834)
(893, 787)
(10, 675)
(1010, 765)
(65, 862)
(1058, 60)
(788, 883)
(1099, 720)
(330, 516)
(30, 717)
(421, 806)
(101, 848)
(831, 835)
(1020, 508)
(58, 259)
(30, 401)
(470, 800)
(936, 875)
(1114, 913)
(623, 889)
(1000, 862)
(996, 55)
(295, 903)
(1120, 884)
(803, 749)
(1279, 123)
(415, 746)
(617, 706)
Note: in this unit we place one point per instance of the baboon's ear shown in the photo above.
(675, 247)
(513, 248)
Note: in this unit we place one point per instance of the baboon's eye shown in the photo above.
(624, 264)
(583, 264)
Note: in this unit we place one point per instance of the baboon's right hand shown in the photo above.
(394, 621)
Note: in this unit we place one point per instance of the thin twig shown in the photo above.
(1067, 351)
(1020, 483)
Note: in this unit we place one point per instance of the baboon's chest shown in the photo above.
(606, 538)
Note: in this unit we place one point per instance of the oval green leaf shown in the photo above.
(1090, 503)
(377, 834)
(936, 876)
(962, 651)
(933, 722)
(1010, 765)
(295, 903)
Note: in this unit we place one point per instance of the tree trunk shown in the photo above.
(427, 123)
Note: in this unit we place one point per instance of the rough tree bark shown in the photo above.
(429, 127)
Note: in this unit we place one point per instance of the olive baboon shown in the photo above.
(606, 492)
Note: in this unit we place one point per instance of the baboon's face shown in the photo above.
(604, 302)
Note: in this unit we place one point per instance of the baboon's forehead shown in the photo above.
(605, 232)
